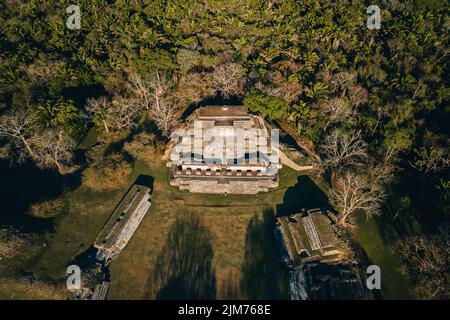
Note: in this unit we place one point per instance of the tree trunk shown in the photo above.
(105, 125)
(27, 147)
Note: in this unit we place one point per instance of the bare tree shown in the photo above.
(98, 110)
(19, 128)
(385, 165)
(142, 88)
(382, 111)
(121, 113)
(156, 95)
(149, 90)
(358, 95)
(336, 110)
(125, 112)
(229, 79)
(426, 260)
(341, 148)
(353, 192)
(54, 150)
(25, 141)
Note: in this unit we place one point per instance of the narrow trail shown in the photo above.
(291, 164)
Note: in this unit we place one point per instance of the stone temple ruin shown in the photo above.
(306, 237)
(308, 248)
(226, 150)
(123, 223)
(113, 238)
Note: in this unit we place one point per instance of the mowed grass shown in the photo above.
(238, 245)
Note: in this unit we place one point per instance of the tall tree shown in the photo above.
(20, 129)
(342, 148)
(229, 79)
(354, 192)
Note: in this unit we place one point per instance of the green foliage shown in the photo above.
(268, 106)
(61, 114)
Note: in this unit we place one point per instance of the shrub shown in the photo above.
(107, 173)
(47, 209)
(143, 147)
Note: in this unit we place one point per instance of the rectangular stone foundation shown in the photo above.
(225, 186)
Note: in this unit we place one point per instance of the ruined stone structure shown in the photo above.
(306, 237)
(226, 150)
(123, 223)
(309, 248)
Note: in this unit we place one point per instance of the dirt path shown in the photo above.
(291, 164)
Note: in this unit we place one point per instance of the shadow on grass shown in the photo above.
(23, 185)
(365, 261)
(183, 268)
(305, 194)
(145, 180)
(264, 276)
(230, 290)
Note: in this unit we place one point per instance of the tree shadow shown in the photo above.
(145, 180)
(25, 184)
(230, 290)
(365, 261)
(147, 125)
(264, 276)
(413, 208)
(80, 94)
(305, 194)
(183, 268)
(395, 227)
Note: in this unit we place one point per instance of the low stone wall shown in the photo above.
(222, 186)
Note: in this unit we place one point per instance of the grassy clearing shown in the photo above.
(240, 230)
